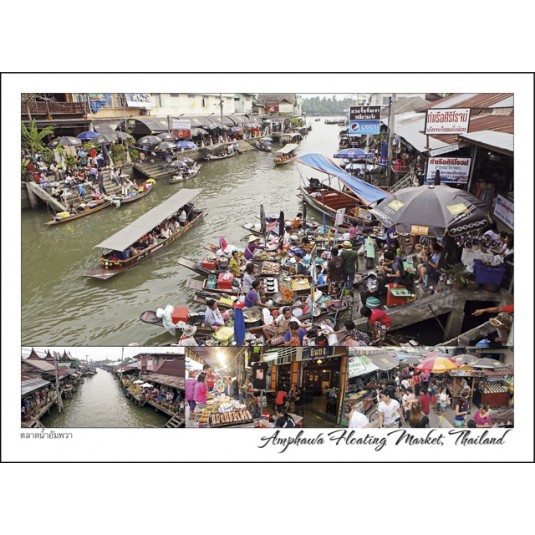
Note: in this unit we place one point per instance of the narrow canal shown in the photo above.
(61, 307)
(101, 402)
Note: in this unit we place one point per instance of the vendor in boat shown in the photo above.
(234, 264)
(248, 278)
(321, 278)
(307, 245)
(300, 266)
(295, 335)
(252, 297)
(297, 222)
(213, 316)
(280, 326)
(252, 244)
(187, 339)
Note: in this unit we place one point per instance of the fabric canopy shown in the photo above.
(360, 365)
(131, 233)
(287, 148)
(366, 192)
(384, 361)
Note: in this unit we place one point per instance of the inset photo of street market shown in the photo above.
(470, 387)
(99, 387)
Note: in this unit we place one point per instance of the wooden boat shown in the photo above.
(131, 198)
(90, 208)
(293, 138)
(354, 195)
(182, 177)
(287, 154)
(113, 261)
(212, 157)
(150, 317)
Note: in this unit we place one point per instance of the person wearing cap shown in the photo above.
(252, 244)
(349, 257)
(187, 340)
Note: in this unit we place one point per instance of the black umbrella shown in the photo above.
(123, 135)
(65, 141)
(432, 211)
(104, 138)
(167, 137)
(149, 140)
(165, 145)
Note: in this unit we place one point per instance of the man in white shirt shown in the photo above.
(357, 419)
(389, 411)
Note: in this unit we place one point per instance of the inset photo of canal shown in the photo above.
(435, 387)
(102, 387)
(259, 387)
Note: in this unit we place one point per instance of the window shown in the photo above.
(175, 95)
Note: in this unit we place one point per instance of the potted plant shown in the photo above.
(458, 275)
(471, 284)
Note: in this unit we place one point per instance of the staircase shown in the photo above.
(407, 181)
(175, 422)
(157, 170)
(46, 197)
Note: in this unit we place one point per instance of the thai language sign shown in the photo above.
(359, 366)
(315, 352)
(138, 100)
(454, 121)
(182, 128)
(364, 113)
(504, 211)
(452, 170)
(272, 106)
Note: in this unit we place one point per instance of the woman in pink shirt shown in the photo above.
(199, 395)
(191, 382)
(482, 417)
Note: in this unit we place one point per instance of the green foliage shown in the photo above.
(326, 105)
(458, 274)
(33, 140)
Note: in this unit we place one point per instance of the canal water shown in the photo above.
(101, 402)
(61, 307)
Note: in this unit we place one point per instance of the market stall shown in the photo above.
(495, 388)
(463, 381)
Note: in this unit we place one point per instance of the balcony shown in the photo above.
(38, 108)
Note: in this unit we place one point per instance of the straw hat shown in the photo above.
(252, 238)
(347, 245)
(189, 330)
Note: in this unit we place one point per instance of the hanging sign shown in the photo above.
(138, 100)
(505, 211)
(452, 170)
(419, 230)
(339, 219)
(315, 352)
(359, 366)
(364, 120)
(453, 121)
(182, 128)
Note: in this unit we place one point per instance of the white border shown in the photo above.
(241, 445)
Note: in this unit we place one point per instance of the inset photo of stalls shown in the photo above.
(267, 388)
(98, 387)
(435, 387)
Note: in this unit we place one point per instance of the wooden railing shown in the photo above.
(54, 108)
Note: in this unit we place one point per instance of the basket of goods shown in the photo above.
(284, 297)
(270, 268)
(224, 334)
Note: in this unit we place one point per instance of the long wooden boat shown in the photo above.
(132, 198)
(112, 264)
(92, 207)
(285, 155)
(150, 317)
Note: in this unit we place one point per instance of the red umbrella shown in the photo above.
(439, 364)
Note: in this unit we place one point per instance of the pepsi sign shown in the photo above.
(360, 128)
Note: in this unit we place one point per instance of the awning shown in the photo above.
(31, 385)
(502, 142)
(287, 148)
(131, 233)
(198, 132)
(384, 361)
(360, 365)
(167, 380)
(366, 192)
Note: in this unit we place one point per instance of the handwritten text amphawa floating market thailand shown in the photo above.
(344, 437)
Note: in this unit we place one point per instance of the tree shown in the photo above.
(32, 139)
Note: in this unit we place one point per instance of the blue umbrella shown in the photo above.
(353, 154)
(239, 326)
(186, 145)
(84, 136)
(268, 139)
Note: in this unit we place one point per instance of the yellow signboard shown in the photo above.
(395, 205)
(457, 209)
(420, 230)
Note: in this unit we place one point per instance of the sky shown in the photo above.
(103, 353)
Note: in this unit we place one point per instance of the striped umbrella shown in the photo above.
(437, 365)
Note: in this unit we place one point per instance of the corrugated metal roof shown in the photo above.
(498, 140)
(41, 365)
(471, 100)
(167, 380)
(31, 385)
(144, 224)
(384, 361)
